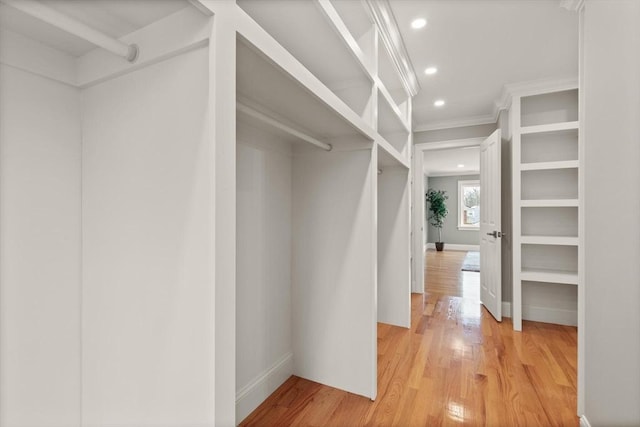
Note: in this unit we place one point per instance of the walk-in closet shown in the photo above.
(196, 203)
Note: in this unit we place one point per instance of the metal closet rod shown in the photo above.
(279, 125)
(51, 16)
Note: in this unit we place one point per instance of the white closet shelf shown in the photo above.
(549, 240)
(389, 115)
(394, 109)
(261, 83)
(553, 127)
(389, 156)
(549, 203)
(567, 164)
(549, 276)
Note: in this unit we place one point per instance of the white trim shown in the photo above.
(506, 309)
(461, 183)
(484, 119)
(584, 422)
(253, 394)
(449, 144)
(455, 247)
(534, 313)
(445, 174)
(384, 19)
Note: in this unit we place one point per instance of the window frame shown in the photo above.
(461, 185)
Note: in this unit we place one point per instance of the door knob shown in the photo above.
(495, 234)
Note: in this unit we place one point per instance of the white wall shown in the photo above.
(611, 90)
(394, 258)
(39, 252)
(334, 311)
(263, 267)
(148, 326)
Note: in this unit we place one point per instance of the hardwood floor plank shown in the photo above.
(455, 365)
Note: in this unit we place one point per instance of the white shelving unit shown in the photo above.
(350, 235)
(546, 205)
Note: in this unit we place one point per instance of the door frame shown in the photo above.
(418, 221)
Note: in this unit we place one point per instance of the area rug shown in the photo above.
(471, 261)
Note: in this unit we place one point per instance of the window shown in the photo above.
(469, 205)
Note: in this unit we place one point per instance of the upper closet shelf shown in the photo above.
(389, 156)
(549, 240)
(549, 203)
(270, 76)
(553, 127)
(265, 87)
(567, 164)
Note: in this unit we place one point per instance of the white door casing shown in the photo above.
(490, 225)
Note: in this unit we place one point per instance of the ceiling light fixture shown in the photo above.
(418, 23)
(431, 70)
(439, 103)
(460, 165)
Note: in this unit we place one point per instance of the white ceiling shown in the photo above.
(115, 18)
(479, 46)
(445, 162)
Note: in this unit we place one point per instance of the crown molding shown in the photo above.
(385, 21)
(572, 5)
(533, 87)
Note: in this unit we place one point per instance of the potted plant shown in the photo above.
(437, 212)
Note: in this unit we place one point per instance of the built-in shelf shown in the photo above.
(567, 164)
(549, 240)
(393, 108)
(549, 276)
(389, 156)
(553, 127)
(549, 203)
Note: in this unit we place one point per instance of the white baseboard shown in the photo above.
(454, 247)
(506, 309)
(253, 394)
(544, 314)
(584, 422)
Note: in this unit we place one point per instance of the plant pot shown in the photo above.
(439, 246)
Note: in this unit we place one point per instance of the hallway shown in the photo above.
(456, 365)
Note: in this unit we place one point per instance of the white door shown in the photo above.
(490, 226)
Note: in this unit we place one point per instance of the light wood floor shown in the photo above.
(456, 365)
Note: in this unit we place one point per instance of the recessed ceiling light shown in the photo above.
(418, 23)
(431, 70)
(460, 165)
(439, 103)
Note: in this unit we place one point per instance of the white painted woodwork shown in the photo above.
(549, 147)
(334, 302)
(550, 203)
(546, 171)
(263, 264)
(40, 350)
(147, 293)
(567, 164)
(394, 256)
(491, 222)
(610, 66)
(418, 223)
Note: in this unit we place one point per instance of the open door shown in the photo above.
(491, 225)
